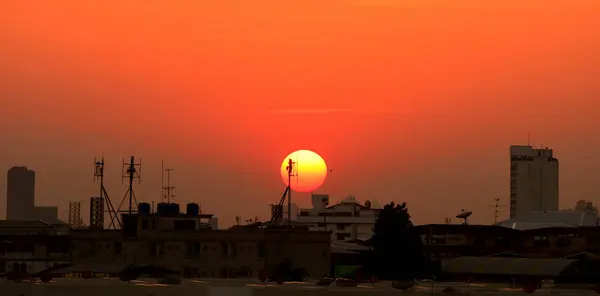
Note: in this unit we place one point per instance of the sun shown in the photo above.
(311, 170)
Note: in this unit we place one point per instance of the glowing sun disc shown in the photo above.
(311, 170)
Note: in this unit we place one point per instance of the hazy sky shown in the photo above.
(424, 98)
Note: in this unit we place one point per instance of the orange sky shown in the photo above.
(429, 95)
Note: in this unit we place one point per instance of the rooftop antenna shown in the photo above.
(162, 180)
(292, 172)
(277, 210)
(529, 138)
(168, 191)
(132, 172)
(103, 198)
(497, 207)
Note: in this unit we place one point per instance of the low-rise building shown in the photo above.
(452, 240)
(202, 252)
(32, 246)
(347, 220)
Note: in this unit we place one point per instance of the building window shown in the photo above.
(118, 247)
(438, 239)
(234, 250)
(342, 236)
(304, 214)
(541, 241)
(224, 249)
(340, 226)
(152, 249)
(193, 249)
(502, 241)
(261, 250)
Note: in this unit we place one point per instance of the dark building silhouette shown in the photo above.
(20, 194)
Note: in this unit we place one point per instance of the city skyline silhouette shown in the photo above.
(428, 100)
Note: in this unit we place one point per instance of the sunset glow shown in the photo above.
(395, 95)
(310, 171)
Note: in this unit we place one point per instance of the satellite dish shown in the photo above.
(368, 204)
(464, 215)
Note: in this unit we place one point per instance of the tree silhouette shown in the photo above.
(397, 245)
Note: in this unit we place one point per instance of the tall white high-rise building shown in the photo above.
(533, 180)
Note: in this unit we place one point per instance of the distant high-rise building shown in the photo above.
(20, 194)
(533, 180)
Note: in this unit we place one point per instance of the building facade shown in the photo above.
(32, 246)
(347, 220)
(240, 251)
(533, 180)
(20, 194)
(453, 240)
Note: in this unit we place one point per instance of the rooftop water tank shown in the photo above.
(162, 209)
(193, 209)
(174, 210)
(144, 208)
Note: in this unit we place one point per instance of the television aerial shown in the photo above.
(464, 215)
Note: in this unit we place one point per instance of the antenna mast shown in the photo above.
(292, 172)
(132, 172)
(97, 210)
(497, 207)
(168, 191)
(162, 180)
(277, 210)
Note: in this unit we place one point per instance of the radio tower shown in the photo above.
(277, 210)
(168, 191)
(97, 203)
(292, 172)
(132, 172)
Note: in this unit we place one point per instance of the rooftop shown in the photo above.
(546, 219)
